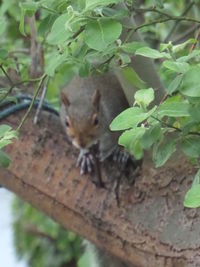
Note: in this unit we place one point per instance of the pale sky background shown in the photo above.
(7, 252)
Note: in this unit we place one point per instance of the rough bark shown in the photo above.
(150, 228)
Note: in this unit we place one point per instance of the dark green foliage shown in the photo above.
(41, 241)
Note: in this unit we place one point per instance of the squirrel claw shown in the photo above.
(120, 156)
(86, 162)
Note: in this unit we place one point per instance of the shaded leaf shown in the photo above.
(131, 76)
(144, 97)
(4, 159)
(151, 53)
(191, 146)
(173, 86)
(130, 139)
(191, 82)
(132, 47)
(129, 118)
(162, 152)
(61, 31)
(192, 197)
(180, 67)
(174, 109)
(91, 4)
(152, 135)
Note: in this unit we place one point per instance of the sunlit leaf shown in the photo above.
(102, 32)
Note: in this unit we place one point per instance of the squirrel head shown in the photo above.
(82, 119)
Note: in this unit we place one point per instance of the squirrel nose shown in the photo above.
(81, 143)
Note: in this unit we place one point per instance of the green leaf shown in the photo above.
(102, 32)
(191, 82)
(4, 159)
(195, 113)
(173, 86)
(191, 146)
(3, 24)
(91, 4)
(129, 118)
(179, 67)
(161, 153)
(131, 76)
(128, 136)
(84, 69)
(30, 7)
(164, 46)
(152, 135)
(136, 149)
(132, 47)
(115, 14)
(144, 97)
(3, 53)
(5, 5)
(194, 53)
(4, 129)
(196, 179)
(180, 47)
(174, 109)
(53, 62)
(4, 142)
(192, 197)
(46, 24)
(130, 139)
(125, 59)
(21, 24)
(151, 53)
(59, 32)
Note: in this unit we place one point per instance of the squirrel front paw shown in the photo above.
(86, 162)
(120, 156)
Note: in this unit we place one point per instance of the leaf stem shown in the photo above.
(165, 20)
(173, 127)
(16, 84)
(32, 102)
(49, 9)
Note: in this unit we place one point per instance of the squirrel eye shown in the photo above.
(95, 121)
(66, 123)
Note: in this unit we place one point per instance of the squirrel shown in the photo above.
(88, 105)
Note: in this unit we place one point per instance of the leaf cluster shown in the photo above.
(41, 241)
(174, 123)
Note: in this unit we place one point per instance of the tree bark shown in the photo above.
(150, 228)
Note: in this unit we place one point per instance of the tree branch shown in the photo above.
(187, 9)
(150, 226)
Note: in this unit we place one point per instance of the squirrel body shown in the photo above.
(88, 105)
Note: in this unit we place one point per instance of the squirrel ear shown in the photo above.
(96, 98)
(65, 99)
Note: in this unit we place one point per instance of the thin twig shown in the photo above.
(166, 19)
(32, 102)
(184, 35)
(152, 9)
(173, 127)
(76, 34)
(17, 84)
(50, 10)
(187, 9)
(19, 51)
(35, 120)
(197, 39)
(6, 74)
